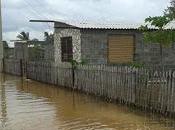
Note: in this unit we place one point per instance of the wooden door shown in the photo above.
(121, 49)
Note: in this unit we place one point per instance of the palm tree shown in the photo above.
(48, 37)
(5, 45)
(35, 39)
(23, 36)
(170, 11)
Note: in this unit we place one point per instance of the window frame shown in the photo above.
(66, 49)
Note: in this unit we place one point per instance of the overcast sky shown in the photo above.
(17, 13)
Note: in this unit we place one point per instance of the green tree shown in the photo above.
(35, 39)
(170, 11)
(23, 36)
(5, 45)
(48, 37)
(160, 34)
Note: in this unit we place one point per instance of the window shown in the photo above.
(66, 49)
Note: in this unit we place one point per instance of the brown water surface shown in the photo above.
(29, 105)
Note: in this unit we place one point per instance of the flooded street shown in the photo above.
(30, 105)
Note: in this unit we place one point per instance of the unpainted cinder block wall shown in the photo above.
(91, 45)
(94, 45)
(152, 54)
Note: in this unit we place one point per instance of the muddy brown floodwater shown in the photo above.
(30, 105)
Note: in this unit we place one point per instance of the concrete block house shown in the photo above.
(105, 44)
(97, 43)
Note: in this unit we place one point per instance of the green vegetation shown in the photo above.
(76, 63)
(137, 65)
(23, 36)
(170, 11)
(49, 38)
(5, 45)
(160, 34)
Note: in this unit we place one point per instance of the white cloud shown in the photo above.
(17, 13)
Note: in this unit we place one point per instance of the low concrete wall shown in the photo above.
(152, 54)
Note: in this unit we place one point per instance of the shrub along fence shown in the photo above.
(151, 89)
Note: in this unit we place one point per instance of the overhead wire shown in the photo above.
(46, 16)
(36, 12)
(76, 19)
(40, 3)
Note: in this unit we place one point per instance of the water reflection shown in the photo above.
(3, 103)
(30, 105)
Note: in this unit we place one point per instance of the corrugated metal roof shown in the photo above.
(103, 25)
(171, 25)
(90, 25)
(106, 26)
(93, 25)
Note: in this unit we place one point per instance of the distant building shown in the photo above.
(8, 51)
(21, 50)
(34, 50)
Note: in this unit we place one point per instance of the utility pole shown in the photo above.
(1, 42)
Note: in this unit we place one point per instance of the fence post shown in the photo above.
(3, 65)
(21, 67)
(73, 75)
(135, 86)
(26, 69)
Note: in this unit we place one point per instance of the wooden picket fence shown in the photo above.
(148, 88)
(145, 88)
(12, 66)
(48, 73)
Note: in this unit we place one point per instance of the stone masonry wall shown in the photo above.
(76, 41)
